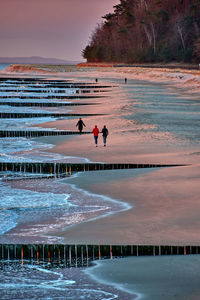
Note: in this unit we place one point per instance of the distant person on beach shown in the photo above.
(80, 125)
(125, 80)
(104, 134)
(95, 132)
(96, 80)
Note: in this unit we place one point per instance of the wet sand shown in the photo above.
(152, 278)
(165, 207)
(67, 206)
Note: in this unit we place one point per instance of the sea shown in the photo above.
(3, 66)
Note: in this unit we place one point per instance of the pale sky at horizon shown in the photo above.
(49, 28)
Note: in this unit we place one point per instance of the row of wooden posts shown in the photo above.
(44, 104)
(63, 97)
(76, 254)
(31, 79)
(36, 81)
(10, 115)
(47, 90)
(66, 169)
(49, 83)
(37, 133)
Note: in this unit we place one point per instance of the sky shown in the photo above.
(49, 28)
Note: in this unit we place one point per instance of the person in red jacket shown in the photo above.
(95, 131)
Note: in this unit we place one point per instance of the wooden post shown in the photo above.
(49, 255)
(99, 252)
(38, 256)
(22, 255)
(111, 256)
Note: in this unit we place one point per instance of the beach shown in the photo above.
(152, 119)
(153, 278)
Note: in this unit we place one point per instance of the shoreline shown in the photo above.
(182, 77)
(165, 202)
(46, 281)
(151, 220)
(154, 278)
(82, 206)
(145, 150)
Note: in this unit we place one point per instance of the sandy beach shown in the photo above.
(163, 203)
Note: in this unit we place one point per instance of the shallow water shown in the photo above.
(3, 66)
(165, 111)
(46, 281)
(33, 208)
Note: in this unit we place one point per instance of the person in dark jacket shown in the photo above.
(104, 134)
(80, 125)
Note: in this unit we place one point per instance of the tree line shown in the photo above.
(147, 31)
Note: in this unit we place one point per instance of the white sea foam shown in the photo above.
(14, 202)
(23, 123)
(22, 199)
(19, 110)
(16, 100)
(3, 66)
(8, 220)
(43, 282)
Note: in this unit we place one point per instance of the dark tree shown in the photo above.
(147, 31)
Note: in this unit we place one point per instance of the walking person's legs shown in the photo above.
(80, 129)
(104, 140)
(96, 139)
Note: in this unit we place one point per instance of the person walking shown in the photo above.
(80, 125)
(95, 132)
(104, 134)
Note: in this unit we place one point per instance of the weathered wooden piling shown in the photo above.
(44, 104)
(65, 169)
(8, 115)
(79, 254)
(50, 97)
(82, 89)
(37, 133)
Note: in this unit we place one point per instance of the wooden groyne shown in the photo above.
(66, 169)
(7, 115)
(50, 97)
(47, 90)
(37, 81)
(74, 254)
(37, 133)
(31, 79)
(44, 104)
